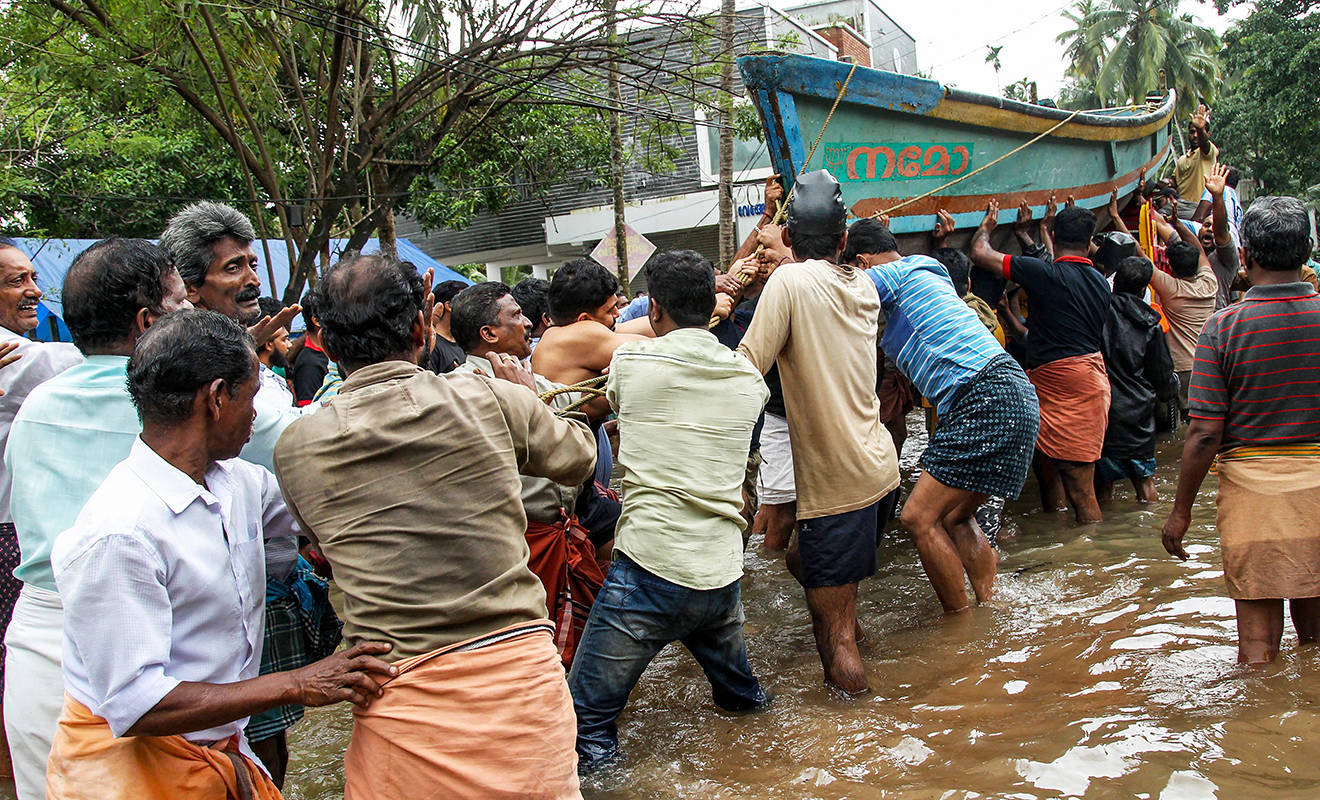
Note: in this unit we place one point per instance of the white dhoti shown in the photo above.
(34, 686)
(775, 484)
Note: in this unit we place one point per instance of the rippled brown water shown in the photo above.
(1103, 669)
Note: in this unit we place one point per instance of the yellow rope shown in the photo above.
(962, 178)
(782, 210)
(587, 387)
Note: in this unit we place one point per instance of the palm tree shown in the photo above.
(1083, 48)
(992, 58)
(1146, 36)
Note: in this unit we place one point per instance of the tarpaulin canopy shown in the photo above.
(52, 258)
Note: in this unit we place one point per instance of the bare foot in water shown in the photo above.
(984, 586)
(859, 635)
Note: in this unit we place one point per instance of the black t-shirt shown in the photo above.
(445, 355)
(731, 331)
(1068, 303)
(309, 370)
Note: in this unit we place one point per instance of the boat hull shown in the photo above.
(895, 137)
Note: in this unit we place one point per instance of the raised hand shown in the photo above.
(774, 195)
(883, 218)
(1202, 116)
(1217, 179)
(1072, 201)
(354, 675)
(264, 329)
(1023, 224)
(1051, 208)
(991, 215)
(1113, 202)
(943, 226)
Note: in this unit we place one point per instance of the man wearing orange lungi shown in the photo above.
(1069, 301)
(410, 483)
(172, 548)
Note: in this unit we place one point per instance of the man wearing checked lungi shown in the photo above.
(988, 414)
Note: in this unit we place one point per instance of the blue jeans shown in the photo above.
(635, 615)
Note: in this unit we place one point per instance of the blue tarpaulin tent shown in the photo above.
(52, 258)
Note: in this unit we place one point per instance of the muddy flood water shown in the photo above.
(1103, 669)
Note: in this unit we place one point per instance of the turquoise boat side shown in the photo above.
(895, 137)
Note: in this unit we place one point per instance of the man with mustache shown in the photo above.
(37, 362)
(211, 245)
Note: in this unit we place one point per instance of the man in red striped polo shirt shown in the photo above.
(1255, 403)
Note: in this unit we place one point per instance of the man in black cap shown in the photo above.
(818, 319)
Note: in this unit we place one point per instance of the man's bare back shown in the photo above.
(572, 353)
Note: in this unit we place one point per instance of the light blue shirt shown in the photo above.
(936, 340)
(68, 435)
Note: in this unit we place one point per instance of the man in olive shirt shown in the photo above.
(686, 406)
(481, 708)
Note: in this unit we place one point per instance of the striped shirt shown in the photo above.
(1257, 367)
(936, 340)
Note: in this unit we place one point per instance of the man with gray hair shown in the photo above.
(211, 246)
(1250, 407)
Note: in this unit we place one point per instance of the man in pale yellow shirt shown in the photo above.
(1191, 167)
(818, 320)
(687, 406)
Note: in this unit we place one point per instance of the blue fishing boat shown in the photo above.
(906, 146)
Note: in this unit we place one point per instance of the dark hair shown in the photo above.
(1231, 179)
(1276, 233)
(190, 233)
(867, 236)
(533, 295)
(1074, 226)
(958, 265)
(106, 286)
(1184, 258)
(579, 287)
(180, 354)
(1132, 275)
(311, 308)
(473, 309)
(367, 305)
(269, 306)
(682, 282)
(815, 245)
(445, 291)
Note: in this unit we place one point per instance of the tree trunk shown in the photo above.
(728, 231)
(616, 150)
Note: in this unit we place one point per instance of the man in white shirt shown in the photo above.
(37, 362)
(174, 541)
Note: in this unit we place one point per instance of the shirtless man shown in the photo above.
(584, 309)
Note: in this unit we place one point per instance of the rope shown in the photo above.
(980, 169)
(782, 210)
(589, 387)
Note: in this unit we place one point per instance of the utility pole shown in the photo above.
(728, 245)
(616, 146)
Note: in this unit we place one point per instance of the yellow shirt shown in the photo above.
(819, 321)
(1190, 170)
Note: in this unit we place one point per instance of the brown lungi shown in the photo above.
(1269, 524)
(1074, 407)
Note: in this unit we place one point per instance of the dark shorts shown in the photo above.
(985, 441)
(1109, 470)
(839, 549)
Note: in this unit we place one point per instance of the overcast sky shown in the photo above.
(952, 36)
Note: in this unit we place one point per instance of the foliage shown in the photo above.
(323, 105)
(1022, 90)
(1124, 44)
(1079, 93)
(1267, 122)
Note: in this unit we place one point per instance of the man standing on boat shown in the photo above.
(818, 320)
(1192, 167)
(1069, 301)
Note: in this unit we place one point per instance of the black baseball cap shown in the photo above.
(817, 205)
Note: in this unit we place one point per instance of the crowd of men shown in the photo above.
(181, 482)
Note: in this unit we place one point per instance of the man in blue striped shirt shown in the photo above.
(988, 414)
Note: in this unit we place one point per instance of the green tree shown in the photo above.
(1084, 47)
(1138, 39)
(1267, 122)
